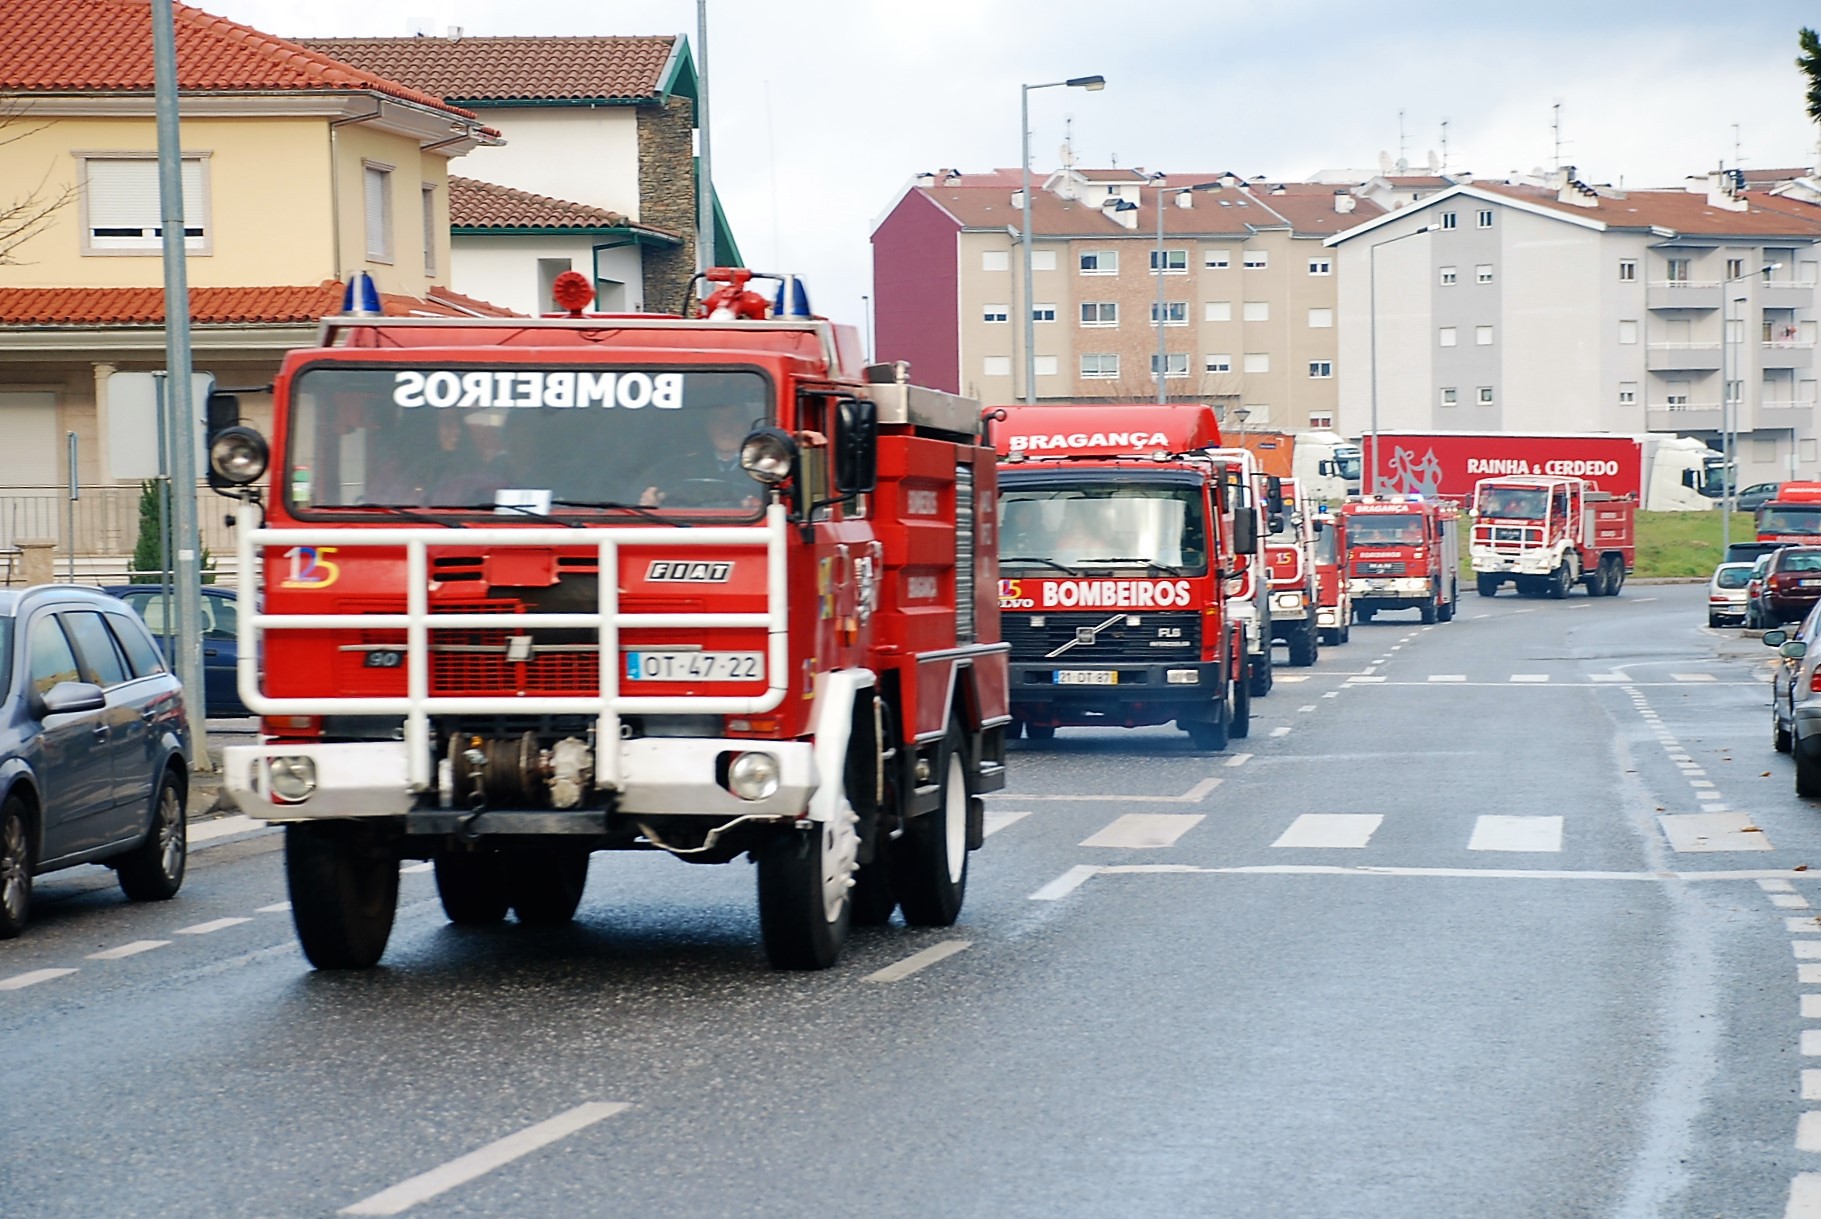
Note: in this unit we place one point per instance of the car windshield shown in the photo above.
(1732, 577)
(1385, 529)
(1513, 503)
(1324, 544)
(1790, 518)
(1122, 523)
(535, 437)
(1800, 562)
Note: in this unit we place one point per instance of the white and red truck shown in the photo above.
(1661, 472)
(1792, 515)
(1260, 496)
(1545, 535)
(1119, 540)
(1294, 583)
(1403, 552)
(1334, 605)
(533, 588)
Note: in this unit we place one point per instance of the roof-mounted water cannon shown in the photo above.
(731, 301)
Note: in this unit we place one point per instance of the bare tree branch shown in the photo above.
(25, 216)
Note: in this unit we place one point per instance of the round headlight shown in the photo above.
(238, 455)
(769, 455)
(753, 776)
(293, 777)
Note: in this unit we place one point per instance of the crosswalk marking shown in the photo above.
(1532, 677)
(1694, 677)
(997, 820)
(1447, 677)
(1501, 833)
(1713, 832)
(1139, 831)
(1330, 830)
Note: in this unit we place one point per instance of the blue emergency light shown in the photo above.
(792, 299)
(361, 298)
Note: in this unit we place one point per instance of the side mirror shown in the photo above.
(222, 413)
(69, 697)
(1324, 467)
(1245, 532)
(1274, 497)
(1795, 649)
(1276, 522)
(1775, 639)
(1320, 524)
(856, 446)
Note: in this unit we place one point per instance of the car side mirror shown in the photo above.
(1775, 639)
(1274, 496)
(1795, 649)
(70, 697)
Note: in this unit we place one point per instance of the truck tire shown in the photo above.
(545, 884)
(153, 870)
(1560, 582)
(1040, 732)
(1239, 703)
(1209, 736)
(1346, 626)
(1260, 674)
(343, 882)
(1363, 614)
(1616, 580)
(1487, 586)
(872, 898)
(1430, 610)
(1808, 774)
(1445, 611)
(1304, 645)
(472, 886)
(929, 860)
(805, 902)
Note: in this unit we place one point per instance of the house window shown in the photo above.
(1175, 313)
(1449, 220)
(995, 260)
(1321, 319)
(1220, 364)
(1446, 336)
(1100, 366)
(121, 207)
(1628, 269)
(1046, 366)
(1678, 271)
(1043, 260)
(1485, 395)
(1482, 336)
(1321, 370)
(1735, 267)
(997, 366)
(1628, 393)
(1486, 218)
(1257, 361)
(1257, 260)
(1217, 311)
(1174, 262)
(1483, 273)
(1321, 423)
(1628, 332)
(1041, 312)
(1450, 396)
(1256, 311)
(1448, 276)
(1100, 313)
(1321, 266)
(1100, 262)
(995, 313)
(429, 198)
(1216, 260)
(1175, 365)
(377, 183)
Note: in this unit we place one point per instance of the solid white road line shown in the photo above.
(32, 978)
(1447, 677)
(274, 908)
(1065, 884)
(1500, 833)
(996, 820)
(1302, 869)
(1239, 759)
(213, 925)
(1140, 831)
(127, 950)
(1330, 830)
(918, 960)
(1195, 795)
(1530, 677)
(1690, 832)
(422, 1188)
(222, 827)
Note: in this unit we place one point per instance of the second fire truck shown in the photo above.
(1545, 535)
(1402, 553)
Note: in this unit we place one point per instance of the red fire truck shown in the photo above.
(1403, 552)
(1792, 515)
(1249, 597)
(1334, 613)
(1290, 558)
(1117, 543)
(540, 587)
(1546, 535)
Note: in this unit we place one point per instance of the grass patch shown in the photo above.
(1670, 544)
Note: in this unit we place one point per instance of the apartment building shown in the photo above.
(1559, 306)
(1247, 315)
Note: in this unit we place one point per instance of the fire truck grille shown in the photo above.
(478, 663)
(1380, 569)
(1126, 639)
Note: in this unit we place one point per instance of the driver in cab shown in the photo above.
(710, 474)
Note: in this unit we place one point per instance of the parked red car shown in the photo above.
(1792, 585)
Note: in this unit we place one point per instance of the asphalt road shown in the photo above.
(1435, 941)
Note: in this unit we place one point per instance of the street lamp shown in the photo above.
(1372, 338)
(1093, 84)
(1163, 361)
(1242, 414)
(1729, 484)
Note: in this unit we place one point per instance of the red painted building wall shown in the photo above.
(916, 292)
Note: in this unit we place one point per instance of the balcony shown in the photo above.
(1782, 413)
(1683, 417)
(1786, 353)
(1682, 294)
(1683, 357)
(1783, 294)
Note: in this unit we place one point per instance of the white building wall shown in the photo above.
(581, 155)
(511, 271)
(1551, 336)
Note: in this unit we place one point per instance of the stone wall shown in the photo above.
(667, 187)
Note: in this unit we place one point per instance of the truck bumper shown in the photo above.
(1293, 607)
(1328, 616)
(1525, 563)
(1140, 693)
(663, 776)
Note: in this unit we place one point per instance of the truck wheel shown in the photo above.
(1330, 637)
(153, 871)
(1239, 701)
(1487, 586)
(1616, 580)
(929, 861)
(1445, 611)
(805, 895)
(1040, 732)
(1260, 675)
(1363, 614)
(15, 867)
(1560, 582)
(472, 886)
(1346, 626)
(343, 882)
(1808, 775)
(1429, 610)
(1014, 730)
(1210, 736)
(872, 898)
(545, 884)
(1303, 645)
(1780, 738)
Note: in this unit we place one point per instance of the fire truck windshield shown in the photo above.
(539, 438)
(1114, 526)
(1325, 549)
(1514, 503)
(1790, 518)
(1385, 529)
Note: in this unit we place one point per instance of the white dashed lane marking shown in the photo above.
(1281, 730)
(919, 960)
(1529, 677)
(1239, 759)
(32, 978)
(127, 950)
(1065, 884)
(1693, 677)
(1447, 677)
(213, 925)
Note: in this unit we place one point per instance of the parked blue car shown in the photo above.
(94, 747)
(220, 639)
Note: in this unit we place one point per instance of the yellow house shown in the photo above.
(298, 171)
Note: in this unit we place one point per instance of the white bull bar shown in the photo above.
(607, 706)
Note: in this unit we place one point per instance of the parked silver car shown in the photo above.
(1795, 701)
(1726, 594)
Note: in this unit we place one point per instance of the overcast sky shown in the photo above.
(821, 109)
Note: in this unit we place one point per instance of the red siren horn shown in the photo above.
(573, 292)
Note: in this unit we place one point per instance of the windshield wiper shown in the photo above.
(409, 515)
(1175, 571)
(1031, 558)
(615, 505)
(538, 516)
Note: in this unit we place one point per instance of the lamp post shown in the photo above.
(1729, 484)
(1242, 414)
(1372, 340)
(1163, 359)
(1093, 84)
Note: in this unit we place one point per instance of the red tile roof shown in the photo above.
(985, 201)
(264, 306)
(1679, 211)
(514, 69)
(91, 46)
(475, 204)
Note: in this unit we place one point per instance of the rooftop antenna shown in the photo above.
(1403, 145)
(1555, 125)
(1444, 147)
(1068, 142)
(1737, 160)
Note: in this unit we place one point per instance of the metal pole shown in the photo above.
(164, 515)
(69, 541)
(177, 363)
(1372, 357)
(1024, 242)
(1726, 486)
(1163, 359)
(704, 165)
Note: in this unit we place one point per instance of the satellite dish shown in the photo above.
(1384, 164)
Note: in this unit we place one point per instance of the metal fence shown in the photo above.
(106, 521)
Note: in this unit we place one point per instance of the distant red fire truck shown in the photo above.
(1295, 589)
(1403, 552)
(538, 587)
(1545, 535)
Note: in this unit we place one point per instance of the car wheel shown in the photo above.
(153, 870)
(15, 867)
(1808, 774)
(1781, 738)
(1713, 620)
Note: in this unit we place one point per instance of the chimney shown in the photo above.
(1185, 198)
(1018, 199)
(1124, 217)
(1726, 191)
(1572, 191)
(1344, 202)
(925, 180)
